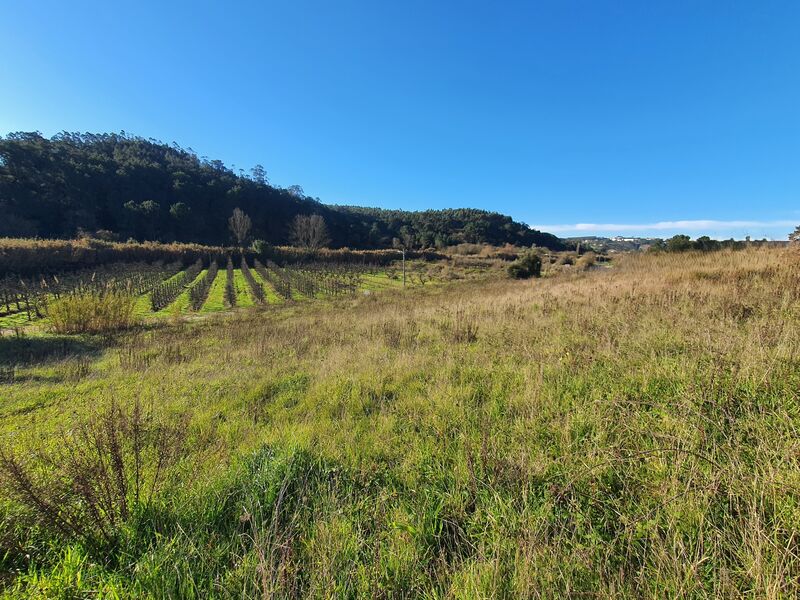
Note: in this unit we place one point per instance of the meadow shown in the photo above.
(610, 431)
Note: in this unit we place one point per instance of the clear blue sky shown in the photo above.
(633, 114)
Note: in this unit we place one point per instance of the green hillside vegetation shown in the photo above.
(125, 187)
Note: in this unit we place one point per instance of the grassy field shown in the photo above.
(619, 432)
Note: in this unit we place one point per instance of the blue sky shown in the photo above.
(581, 118)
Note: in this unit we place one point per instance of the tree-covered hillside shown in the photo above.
(130, 187)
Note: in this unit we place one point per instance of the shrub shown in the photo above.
(528, 265)
(90, 483)
(260, 247)
(587, 260)
(467, 249)
(92, 312)
(679, 243)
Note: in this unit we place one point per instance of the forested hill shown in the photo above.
(130, 187)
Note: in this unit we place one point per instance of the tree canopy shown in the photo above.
(124, 187)
(683, 243)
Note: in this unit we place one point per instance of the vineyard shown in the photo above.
(203, 286)
(27, 298)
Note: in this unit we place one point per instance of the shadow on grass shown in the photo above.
(29, 350)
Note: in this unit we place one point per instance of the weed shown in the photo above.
(92, 312)
(89, 484)
(459, 326)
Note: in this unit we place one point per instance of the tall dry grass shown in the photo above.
(34, 257)
(28, 257)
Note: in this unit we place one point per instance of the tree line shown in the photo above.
(683, 243)
(122, 187)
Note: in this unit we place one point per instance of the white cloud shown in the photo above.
(688, 225)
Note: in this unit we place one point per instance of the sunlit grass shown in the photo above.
(19, 319)
(244, 297)
(625, 432)
(216, 296)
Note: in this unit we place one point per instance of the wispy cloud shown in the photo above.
(687, 225)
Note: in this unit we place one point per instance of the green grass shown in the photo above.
(216, 295)
(142, 307)
(19, 319)
(380, 281)
(619, 433)
(244, 297)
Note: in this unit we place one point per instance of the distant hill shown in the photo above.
(130, 187)
(614, 244)
(677, 243)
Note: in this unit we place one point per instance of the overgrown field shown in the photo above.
(618, 432)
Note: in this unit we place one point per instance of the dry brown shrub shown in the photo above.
(90, 481)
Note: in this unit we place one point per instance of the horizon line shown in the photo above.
(685, 225)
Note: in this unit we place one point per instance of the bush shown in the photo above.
(587, 260)
(260, 248)
(529, 265)
(92, 312)
(466, 249)
(101, 471)
(679, 243)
